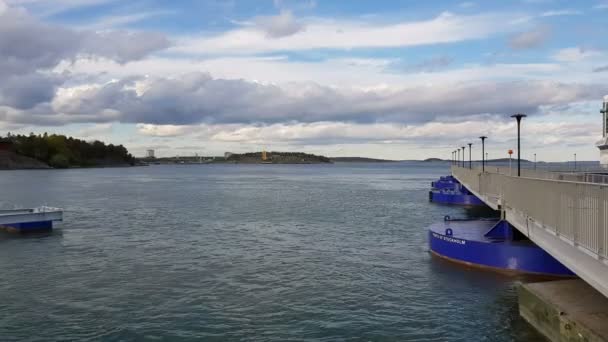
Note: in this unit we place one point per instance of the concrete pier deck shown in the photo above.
(565, 310)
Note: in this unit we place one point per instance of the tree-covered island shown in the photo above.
(59, 151)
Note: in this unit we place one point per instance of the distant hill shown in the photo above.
(499, 160)
(502, 160)
(276, 158)
(360, 160)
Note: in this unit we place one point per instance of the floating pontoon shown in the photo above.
(30, 220)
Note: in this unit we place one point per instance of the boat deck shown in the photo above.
(472, 230)
(475, 230)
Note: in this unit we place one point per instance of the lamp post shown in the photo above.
(470, 161)
(575, 162)
(518, 117)
(510, 152)
(463, 149)
(483, 152)
(458, 159)
(534, 161)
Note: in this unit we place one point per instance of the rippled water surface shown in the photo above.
(243, 252)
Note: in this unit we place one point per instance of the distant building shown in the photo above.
(603, 144)
(228, 155)
(150, 154)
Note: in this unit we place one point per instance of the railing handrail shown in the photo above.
(538, 178)
(543, 174)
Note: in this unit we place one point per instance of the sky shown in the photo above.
(386, 79)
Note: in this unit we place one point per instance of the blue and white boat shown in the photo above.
(492, 244)
(30, 220)
(445, 182)
(448, 190)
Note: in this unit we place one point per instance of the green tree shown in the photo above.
(59, 161)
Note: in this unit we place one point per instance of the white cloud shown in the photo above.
(537, 133)
(95, 131)
(197, 98)
(115, 21)
(530, 39)
(47, 8)
(165, 130)
(278, 26)
(575, 54)
(335, 34)
(364, 73)
(29, 48)
(601, 6)
(295, 4)
(556, 13)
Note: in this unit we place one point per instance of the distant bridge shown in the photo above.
(566, 214)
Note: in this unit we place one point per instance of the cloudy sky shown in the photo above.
(390, 79)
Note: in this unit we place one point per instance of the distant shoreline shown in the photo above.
(361, 160)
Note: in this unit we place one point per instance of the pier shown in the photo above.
(566, 214)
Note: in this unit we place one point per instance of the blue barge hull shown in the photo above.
(26, 227)
(454, 197)
(491, 244)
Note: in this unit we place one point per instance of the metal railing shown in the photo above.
(574, 211)
(589, 176)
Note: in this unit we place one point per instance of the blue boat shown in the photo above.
(445, 182)
(448, 190)
(460, 196)
(492, 244)
(29, 220)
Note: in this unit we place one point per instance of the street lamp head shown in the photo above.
(518, 116)
(470, 144)
(483, 137)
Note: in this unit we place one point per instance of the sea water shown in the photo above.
(243, 252)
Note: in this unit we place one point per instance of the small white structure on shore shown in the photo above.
(149, 153)
(227, 155)
(603, 144)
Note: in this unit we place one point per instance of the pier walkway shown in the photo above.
(566, 214)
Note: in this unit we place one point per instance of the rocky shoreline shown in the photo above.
(12, 161)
